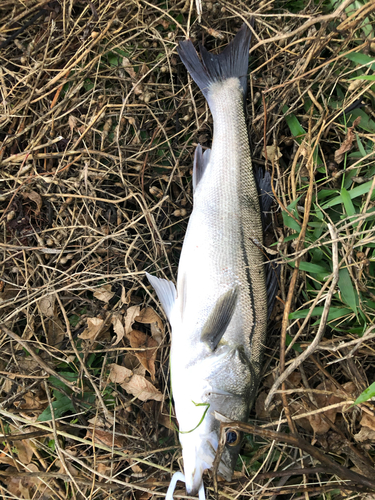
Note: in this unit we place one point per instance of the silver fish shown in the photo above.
(218, 314)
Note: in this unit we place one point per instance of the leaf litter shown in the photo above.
(98, 126)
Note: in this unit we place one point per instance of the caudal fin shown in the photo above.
(232, 62)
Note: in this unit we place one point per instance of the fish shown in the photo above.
(218, 311)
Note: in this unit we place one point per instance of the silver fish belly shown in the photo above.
(218, 313)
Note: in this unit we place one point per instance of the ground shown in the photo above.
(98, 126)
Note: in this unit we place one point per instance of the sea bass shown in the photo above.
(218, 314)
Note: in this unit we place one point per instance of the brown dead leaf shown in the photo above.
(126, 64)
(368, 421)
(72, 121)
(166, 421)
(348, 142)
(125, 299)
(161, 414)
(28, 365)
(67, 467)
(143, 70)
(142, 389)
(297, 408)
(131, 314)
(146, 495)
(47, 305)
(134, 384)
(118, 327)
(118, 374)
(273, 153)
(21, 487)
(165, 23)
(8, 384)
(354, 85)
(365, 435)
(99, 436)
(147, 357)
(30, 401)
(102, 469)
(9, 293)
(132, 362)
(36, 198)
(5, 457)
(318, 423)
(295, 378)
(215, 34)
(350, 389)
(25, 451)
(104, 293)
(262, 412)
(150, 317)
(94, 326)
(55, 332)
(97, 421)
(135, 468)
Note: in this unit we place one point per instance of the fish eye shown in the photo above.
(232, 437)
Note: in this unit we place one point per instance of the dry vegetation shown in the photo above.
(98, 126)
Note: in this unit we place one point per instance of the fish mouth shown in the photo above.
(204, 460)
(195, 481)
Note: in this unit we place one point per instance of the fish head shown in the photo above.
(199, 451)
(228, 393)
(199, 447)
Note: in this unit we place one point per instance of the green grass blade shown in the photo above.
(61, 405)
(347, 201)
(290, 222)
(334, 313)
(366, 394)
(353, 193)
(310, 267)
(294, 125)
(348, 293)
(364, 77)
(366, 123)
(361, 59)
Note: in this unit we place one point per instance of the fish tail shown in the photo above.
(231, 63)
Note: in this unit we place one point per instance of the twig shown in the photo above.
(86, 442)
(12, 375)
(26, 345)
(305, 26)
(31, 21)
(334, 467)
(107, 413)
(57, 442)
(312, 347)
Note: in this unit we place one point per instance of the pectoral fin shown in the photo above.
(166, 292)
(219, 319)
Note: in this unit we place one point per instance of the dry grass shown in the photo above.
(98, 124)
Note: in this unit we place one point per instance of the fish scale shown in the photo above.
(218, 313)
(231, 224)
